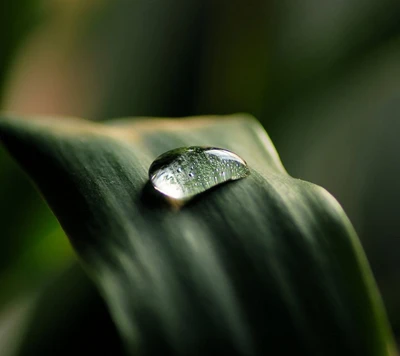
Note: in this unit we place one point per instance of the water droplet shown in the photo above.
(204, 163)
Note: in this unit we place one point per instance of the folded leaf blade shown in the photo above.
(267, 264)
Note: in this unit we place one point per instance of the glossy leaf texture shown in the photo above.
(265, 265)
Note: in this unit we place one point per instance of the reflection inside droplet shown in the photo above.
(185, 172)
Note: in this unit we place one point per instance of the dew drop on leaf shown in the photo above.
(187, 171)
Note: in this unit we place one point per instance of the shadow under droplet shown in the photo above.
(152, 199)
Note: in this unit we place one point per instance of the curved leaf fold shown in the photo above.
(265, 265)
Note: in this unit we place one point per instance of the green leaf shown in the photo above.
(65, 318)
(33, 248)
(265, 265)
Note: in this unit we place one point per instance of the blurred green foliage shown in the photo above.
(16, 19)
(33, 245)
(70, 318)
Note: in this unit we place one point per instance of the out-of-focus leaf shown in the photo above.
(23, 214)
(69, 318)
(35, 264)
(13, 322)
(268, 264)
(33, 247)
(16, 18)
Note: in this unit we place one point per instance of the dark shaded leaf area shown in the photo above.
(70, 318)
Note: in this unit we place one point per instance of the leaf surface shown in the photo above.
(265, 265)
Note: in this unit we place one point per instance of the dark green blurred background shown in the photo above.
(323, 77)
